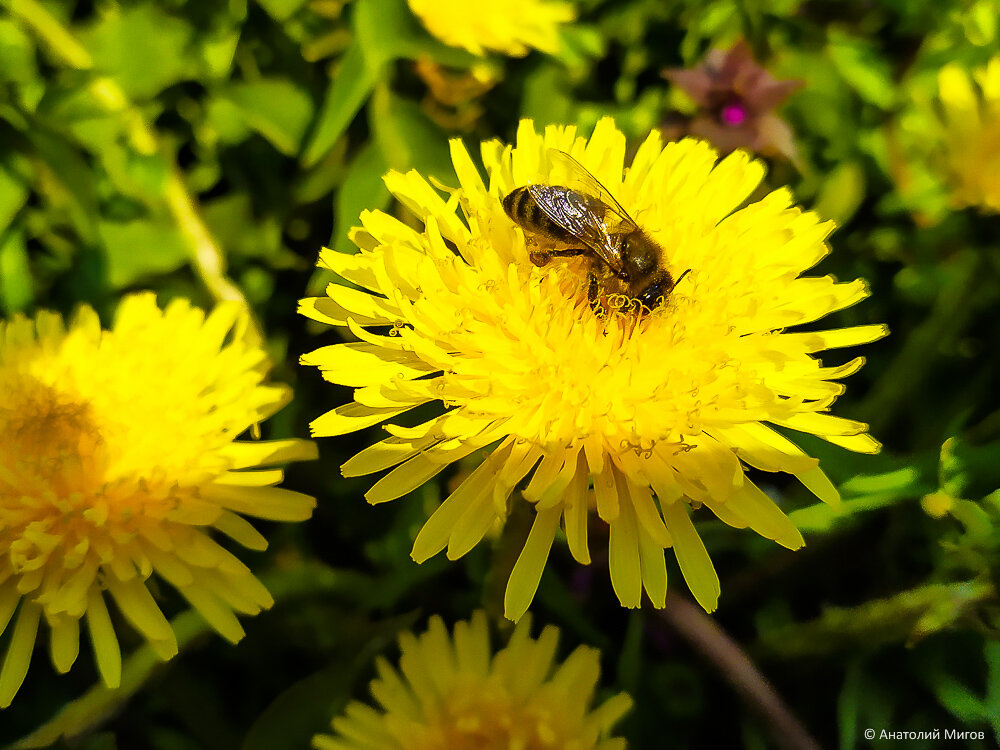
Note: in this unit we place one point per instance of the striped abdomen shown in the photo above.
(524, 211)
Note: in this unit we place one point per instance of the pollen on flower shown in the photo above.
(637, 418)
(117, 458)
(451, 692)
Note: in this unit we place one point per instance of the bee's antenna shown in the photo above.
(681, 277)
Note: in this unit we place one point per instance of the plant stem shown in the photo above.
(702, 632)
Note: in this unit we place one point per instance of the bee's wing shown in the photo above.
(583, 207)
(578, 178)
(581, 216)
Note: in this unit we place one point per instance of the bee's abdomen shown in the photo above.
(521, 207)
(524, 211)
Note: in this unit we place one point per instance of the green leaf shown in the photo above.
(980, 23)
(17, 54)
(849, 703)
(326, 176)
(562, 607)
(580, 46)
(899, 482)
(276, 108)
(864, 702)
(991, 652)
(630, 662)
(384, 31)
(16, 285)
(842, 193)
(967, 468)
(870, 492)
(281, 10)
(142, 47)
(307, 707)
(13, 194)
(408, 138)
(862, 66)
(140, 176)
(546, 99)
(387, 30)
(975, 519)
(953, 474)
(218, 52)
(75, 112)
(232, 222)
(348, 90)
(362, 189)
(99, 741)
(295, 578)
(226, 121)
(958, 699)
(138, 249)
(70, 184)
(78, 716)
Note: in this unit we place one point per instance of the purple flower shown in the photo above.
(736, 99)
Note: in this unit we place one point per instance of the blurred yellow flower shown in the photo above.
(453, 694)
(118, 460)
(510, 26)
(971, 120)
(659, 414)
(944, 150)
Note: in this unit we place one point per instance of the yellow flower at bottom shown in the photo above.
(639, 419)
(509, 26)
(452, 694)
(971, 135)
(118, 460)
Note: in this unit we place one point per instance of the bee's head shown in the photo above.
(656, 293)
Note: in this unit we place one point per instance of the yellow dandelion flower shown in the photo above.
(642, 420)
(450, 693)
(118, 460)
(510, 26)
(971, 134)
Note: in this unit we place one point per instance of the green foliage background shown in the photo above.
(122, 123)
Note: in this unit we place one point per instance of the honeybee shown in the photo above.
(582, 219)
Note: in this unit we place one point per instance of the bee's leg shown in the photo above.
(592, 290)
(539, 257)
(542, 257)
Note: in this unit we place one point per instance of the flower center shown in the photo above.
(45, 438)
(490, 721)
(55, 492)
(733, 114)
